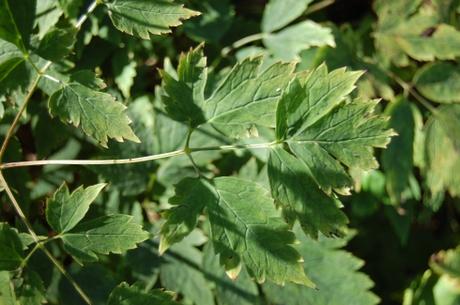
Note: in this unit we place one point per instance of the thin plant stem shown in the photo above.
(242, 42)
(408, 88)
(85, 16)
(18, 208)
(29, 255)
(134, 160)
(318, 6)
(17, 118)
(93, 162)
(188, 151)
(64, 272)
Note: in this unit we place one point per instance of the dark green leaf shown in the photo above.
(300, 197)
(16, 22)
(11, 249)
(190, 198)
(57, 43)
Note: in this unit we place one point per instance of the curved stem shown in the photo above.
(409, 88)
(318, 6)
(64, 272)
(242, 42)
(188, 151)
(17, 118)
(18, 208)
(92, 162)
(29, 255)
(134, 160)
(85, 16)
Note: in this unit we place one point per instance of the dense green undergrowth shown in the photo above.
(224, 152)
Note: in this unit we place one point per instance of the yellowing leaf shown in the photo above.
(414, 29)
(443, 151)
(440, 82)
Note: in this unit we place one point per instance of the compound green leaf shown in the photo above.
(103, 235)
(10, 58)
(247, 97)
(440, 82)
(147, 17)
(311, 97)
(288, 43)
(57, 43)
(124, 294)
(190, 198)
(348, 133)
(336, 273)
(443, 151)
(244, 99)
(99, 114)
(16, 22)
(300, 197)
(397, 159)
(64, 210)
(11, 249)
(253, 234)
(326, 133)
(279, 13)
